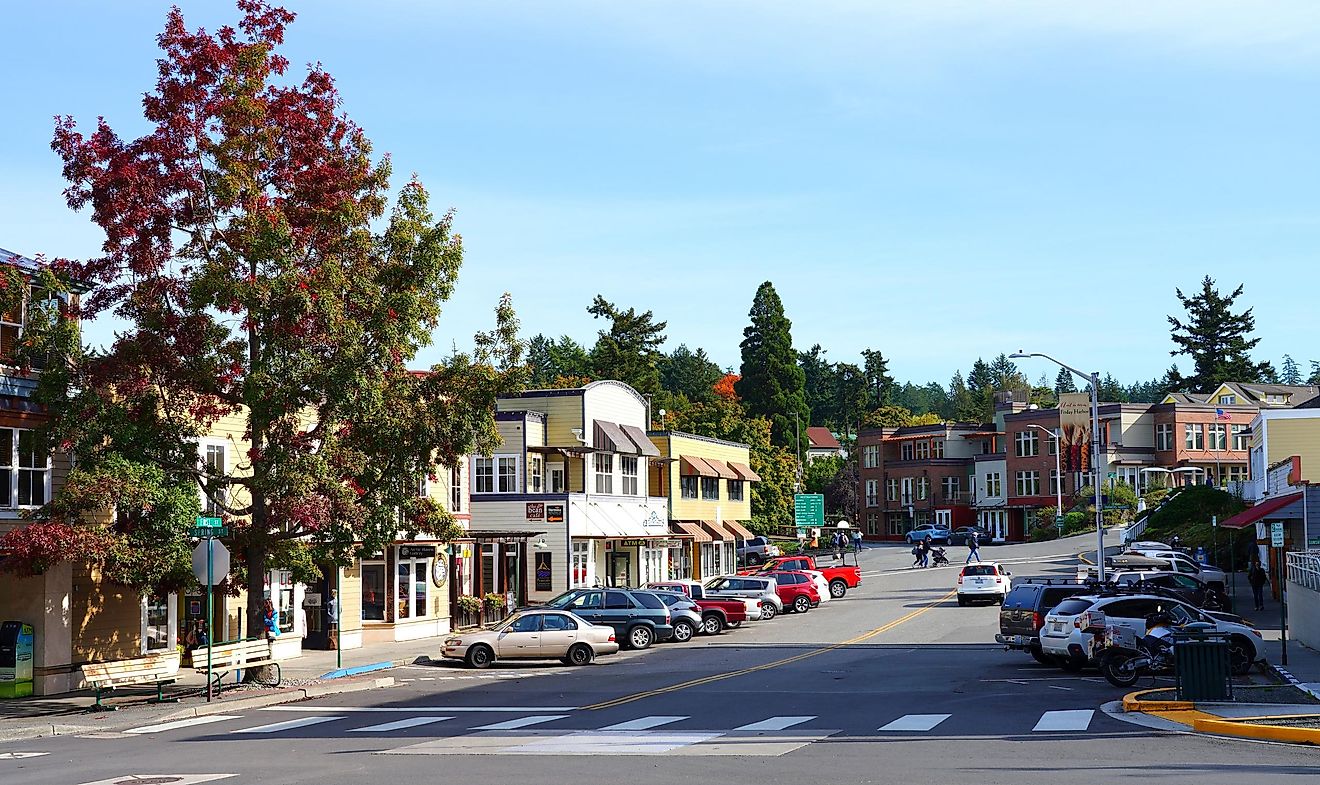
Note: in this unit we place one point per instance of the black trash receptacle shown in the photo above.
(1203, 665)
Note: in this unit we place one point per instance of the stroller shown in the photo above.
(938, 559)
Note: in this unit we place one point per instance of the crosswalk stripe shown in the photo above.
(644, 723)
(1079, 719)
(521, 722)
(775, 723)
(411, 722)
(287, 725)
(916, 722)
(164, 726)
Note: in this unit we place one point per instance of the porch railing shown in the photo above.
(1304, 569)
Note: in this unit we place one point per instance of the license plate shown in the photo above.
(1058, 626)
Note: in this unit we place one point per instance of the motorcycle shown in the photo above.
(1123, 662)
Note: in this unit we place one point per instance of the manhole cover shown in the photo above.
(149, 781)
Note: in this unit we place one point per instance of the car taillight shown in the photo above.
(611, 638)
(999, 579)
(960, 577)
(1038, 620)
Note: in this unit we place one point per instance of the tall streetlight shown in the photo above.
(1094, 379)
(1058, 471)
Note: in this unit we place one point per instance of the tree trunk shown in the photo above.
(255, 556)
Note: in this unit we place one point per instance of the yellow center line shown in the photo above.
(767, 666)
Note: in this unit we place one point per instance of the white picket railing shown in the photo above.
(1304, 569)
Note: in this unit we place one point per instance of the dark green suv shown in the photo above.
(639, 618)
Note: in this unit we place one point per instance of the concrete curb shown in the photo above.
(358, 670)
(1288, 678)
(1134, 702)
(44, 729)
(1247, 728)
(1081, 557)
(285, 696)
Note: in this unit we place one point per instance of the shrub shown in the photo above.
(469, 604)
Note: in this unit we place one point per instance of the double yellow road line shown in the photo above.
(769, 665)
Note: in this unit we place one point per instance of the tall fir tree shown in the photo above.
(1314, 378)
(879, 382)
(690, 374)
(1217, 339)
(549, 359)
(851, 395)
(964, 405)
(629, 351)
(772, 384)
(1289, 372)
(1063, 382)
(819, 385)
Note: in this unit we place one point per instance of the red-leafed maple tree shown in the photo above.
(240, 252)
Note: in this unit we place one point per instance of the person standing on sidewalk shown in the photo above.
(1259, 579)
(973, 547)
(332, 619)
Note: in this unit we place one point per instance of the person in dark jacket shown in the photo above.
(1259, 579)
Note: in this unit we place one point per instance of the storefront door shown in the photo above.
(620, 568)
(314, 603)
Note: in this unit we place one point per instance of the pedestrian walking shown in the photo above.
(925, 551)
(916, 555)
(973, 548)
(332, 619)
(857, 540)
(1259, 579)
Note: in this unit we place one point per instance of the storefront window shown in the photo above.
(488, 552)
(581, 567)
(280, 588)
(421, 571)
(680, 563)
(403, 608)
(373, 592)
(157, 632)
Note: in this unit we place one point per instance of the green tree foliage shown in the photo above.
(1314, 378)
(1063, 382)
(878, 380)
(897, 417)
(1289, 372)
(690, 374)
(1217, 339)
(772, 384)
(818, 385)
(629, 351)
(851, 396)
(243, 263)
(931, 397)
(964, 404)
(1111, 391)
(818, 474)
(549, 359)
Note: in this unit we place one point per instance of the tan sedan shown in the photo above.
(533, 635)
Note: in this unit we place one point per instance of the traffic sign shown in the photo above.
(219, 566)
(1276, 534)
(808, 510)
(1058, 521)
(209, 527)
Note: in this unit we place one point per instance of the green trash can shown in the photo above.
(1203, 665)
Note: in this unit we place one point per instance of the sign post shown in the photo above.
(208, 529)
(1276, 542)
(1058, 524)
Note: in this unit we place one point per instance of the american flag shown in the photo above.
(1220, 414)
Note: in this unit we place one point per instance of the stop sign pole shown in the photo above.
(208, 529)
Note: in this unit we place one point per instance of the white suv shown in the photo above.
(1062, 635)
(983, 581)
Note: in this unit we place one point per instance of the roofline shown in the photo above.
(698, 437)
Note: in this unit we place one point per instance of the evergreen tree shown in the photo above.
(1315, 373)
(772, 384)
(980, 379)
(1173, 381)
(630, 350)
(819, 385)
(1111, 391)
(549, 359)
(691, 374)
(880, 383)
(963, 403)
(1290, 374)
(1063, 382)
(851, 393)
(1217, 339)
(1004, 375)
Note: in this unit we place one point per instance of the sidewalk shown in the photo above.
(315, 672)
(1303, 664)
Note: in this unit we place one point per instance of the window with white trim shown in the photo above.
(506, 467)
(159, 622)
(628, 468)
(1027, 443)
(951, 486)
(905, 451)
(1028, 483)
(923, 450)
(1193, 436)
(535, 473)
(891, 489)
(1227, 400)
(994, 484)
(688, 486)
(923, 488)
(1164, 436)
(456, 489)
(24, 469)
(1241, 437)
(1218, 436)
(603, 464)
(872, 489)
(870, 456)
(937, 448)
(483, 475)
(1056, 483)
(581, 573)
(710, 488)
(735, 490)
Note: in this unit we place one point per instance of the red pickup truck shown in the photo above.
(841, 577)
(716, 613)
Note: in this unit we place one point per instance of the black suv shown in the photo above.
(639, 618)
(1024, 609)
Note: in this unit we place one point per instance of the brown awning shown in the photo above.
(744, 471)
(610, 436)
(742, 532)
(638, 437)
(719, 532)
(692, 465)
(692, 530)
(722, 469)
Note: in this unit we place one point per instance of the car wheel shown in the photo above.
(768, 611)
(640, 637)
(684, 630)
(580, 654)
(752, 558)
(1241, 654)
(838, 588)
(802, 604)
(962, 601)
(480, 656)
(712, 624)
(1041, 657)
(733, 625)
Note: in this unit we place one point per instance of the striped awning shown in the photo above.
(693, 465)
(744, 471)
(742, 532)
(718, 532)
(610, 436)
(722, 469)
(638, 437)
(691, 529)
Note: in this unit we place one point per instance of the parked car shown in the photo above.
(761, 588)
(1063, 637)
(959, 535)
(839, 578)
(796, 590)
(538, 634)
(684, 614)
(1174, 561)
(639, 618)
(757, 550)
(1185, 587)
(1023, 611)
(716, 612)
(935, 531)
(983, 581)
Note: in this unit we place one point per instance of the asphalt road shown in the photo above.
(893, 684)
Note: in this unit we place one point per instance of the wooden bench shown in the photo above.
(236, 656)
(158, 669)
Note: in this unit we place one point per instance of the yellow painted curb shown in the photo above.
(1081, 557)
(1244, 728)
(1133, 702)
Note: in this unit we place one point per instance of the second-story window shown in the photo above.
(994, 485)
(735, 490)
(688, 485)
(483, 475)
(535, 474)
(710, 488)
(603, 463)
(508, 473)
(214, 497)
(905, 451)
(923, 488)
(872, 488)
(628, 466)
(1241, 438)
(870, 456)
(456, 489)
(951, 486)
(923, 450)
(1164, 436)
(937, 448)
(1218, 436)
(891, 489)
(1194, 437)
(1028, 445)
(24, 469)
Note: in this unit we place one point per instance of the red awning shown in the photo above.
(745, 471)
(721, 468)
(1250, 516)
(691, 465)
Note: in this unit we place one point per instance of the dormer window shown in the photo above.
(1227, 400)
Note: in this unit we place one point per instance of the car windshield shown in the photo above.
(504, 625)
(563, 599)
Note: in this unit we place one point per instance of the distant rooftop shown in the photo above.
(822, 439)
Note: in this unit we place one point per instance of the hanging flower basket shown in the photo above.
(469, 605)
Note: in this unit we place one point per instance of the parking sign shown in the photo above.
(1276, 534)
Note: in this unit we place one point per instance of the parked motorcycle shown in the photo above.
(1123, 662)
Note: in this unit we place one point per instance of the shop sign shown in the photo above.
(554, 513)
(439, 572)
(639, 543)
(653, 520)
(416, 551)
(544, 571)
(535, 511)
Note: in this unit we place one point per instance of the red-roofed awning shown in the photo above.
(1250, 516)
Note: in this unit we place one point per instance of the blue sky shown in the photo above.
(937, 180)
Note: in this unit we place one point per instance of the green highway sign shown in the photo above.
(808, 510)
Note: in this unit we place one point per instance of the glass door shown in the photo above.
(620, 566)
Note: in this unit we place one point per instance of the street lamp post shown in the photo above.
(1094, 379)
(1058, 469)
